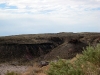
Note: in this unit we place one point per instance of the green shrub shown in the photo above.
(64, 68)
(86, 64)
(90, 54)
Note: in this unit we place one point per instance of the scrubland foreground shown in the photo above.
(87, 63)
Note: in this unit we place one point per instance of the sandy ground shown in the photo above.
(7, 67)
(23, 70)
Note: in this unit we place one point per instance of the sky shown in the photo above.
(48, 16)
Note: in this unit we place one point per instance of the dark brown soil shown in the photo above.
(45, 46)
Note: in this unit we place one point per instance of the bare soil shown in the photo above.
(7, 67)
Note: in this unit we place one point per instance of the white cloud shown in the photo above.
(47, 14)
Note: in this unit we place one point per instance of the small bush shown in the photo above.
(64, 68)
(86, 64)
(92, 54)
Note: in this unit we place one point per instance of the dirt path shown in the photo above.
(6, 67)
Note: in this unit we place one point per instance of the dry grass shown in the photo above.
(36, 70)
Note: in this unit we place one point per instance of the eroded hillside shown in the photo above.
(45, 46)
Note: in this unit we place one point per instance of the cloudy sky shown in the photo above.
(48, 16)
